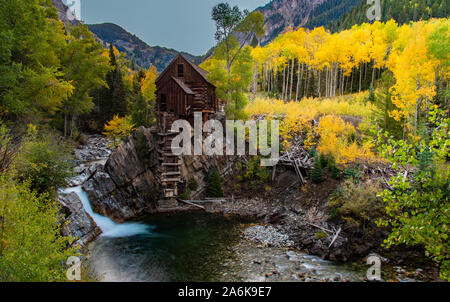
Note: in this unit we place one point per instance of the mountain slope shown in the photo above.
(329, 11)
(64, 13)
(399, 10)
(280, 14)
(136, 49)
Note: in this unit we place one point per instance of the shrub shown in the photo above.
(192, 184)
(321, 235)
(353, 173)
(331, 164)
(357, 202)
(186, 194)
(253, 171)
(338, 138)
(334, 213)
(417, 206)
(323, 159)
(45, 160)
(312, 152)
(8, 148)
(31, 246)
(214, 182)
(118, 129)
(371, 97)
(354, 105)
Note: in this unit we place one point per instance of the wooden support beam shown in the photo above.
(171, 180)
(171, 173)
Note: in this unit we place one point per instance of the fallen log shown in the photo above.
(191, 203)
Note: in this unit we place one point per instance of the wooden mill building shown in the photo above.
(181, 89)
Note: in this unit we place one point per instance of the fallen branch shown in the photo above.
(385, 180)
(190, 203)
(319, 227)
(335, 237)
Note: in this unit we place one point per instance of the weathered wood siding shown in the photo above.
(182, 89)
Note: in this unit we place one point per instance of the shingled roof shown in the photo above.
(183, 86)
(201, 71)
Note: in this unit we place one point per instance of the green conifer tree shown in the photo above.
(214, 188)
(317, 171)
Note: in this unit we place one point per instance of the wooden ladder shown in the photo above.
(170, 164)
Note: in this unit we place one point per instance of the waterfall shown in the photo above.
(110, 228)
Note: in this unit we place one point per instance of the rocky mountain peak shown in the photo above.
(64, 13)
(280, 14)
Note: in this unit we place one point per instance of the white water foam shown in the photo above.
(110, 228)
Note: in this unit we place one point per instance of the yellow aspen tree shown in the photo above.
(414, 70)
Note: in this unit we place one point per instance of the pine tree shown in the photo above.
(118, 104)
(139, 112)
(111, 100)
(317, 172)
(142, 148)
(335, 172)
(384, 105)
(214, 188)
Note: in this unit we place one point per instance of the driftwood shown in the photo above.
(319, 227)
(297, 157)
(385, 180)
(335, 237)
(191, 203)
(335, 233)
(296, 167)
(210, 200)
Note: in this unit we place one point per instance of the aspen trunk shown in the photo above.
(318, 85)
(373, 74)
(298, 82)
(307, 82)
(255, 79)
(292, 79)
(351, 84)
(360, 75)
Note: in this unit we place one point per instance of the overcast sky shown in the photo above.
(180, 24)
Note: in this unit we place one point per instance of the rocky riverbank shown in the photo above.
(123, 186)
(90, 157)
(264, 254)
(293, 221)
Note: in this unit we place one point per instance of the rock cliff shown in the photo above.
(128, 187)
(90, 158)
(280, 14)
(79, 223)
